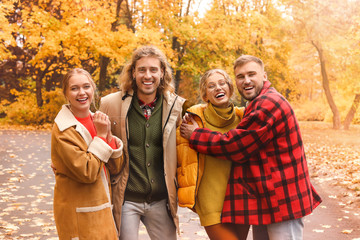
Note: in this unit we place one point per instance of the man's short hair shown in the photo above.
(244, 59)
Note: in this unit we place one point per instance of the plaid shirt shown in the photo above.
(269, 181)
(147, 108)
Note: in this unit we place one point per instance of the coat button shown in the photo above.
(147, 125)
(148, 164)
(147, 145)
(152, 180)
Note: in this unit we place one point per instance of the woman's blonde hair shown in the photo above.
(126, 80)
(209, 73)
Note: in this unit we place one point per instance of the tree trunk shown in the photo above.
(128, 16)
(39, 82)
(180, 50)
(38, 88)
(104, 62)
(177, 80)
(350, 115)
(326, 86)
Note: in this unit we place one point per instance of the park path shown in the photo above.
(26, 192)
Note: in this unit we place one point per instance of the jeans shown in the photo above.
(154, 216)
(287, 230)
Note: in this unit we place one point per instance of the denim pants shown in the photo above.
(154, 216)
(287, 230)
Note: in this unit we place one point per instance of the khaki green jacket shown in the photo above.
(116, 106)
(82, 206)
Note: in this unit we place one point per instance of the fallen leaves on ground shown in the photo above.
(27, 182)
(26, 189)
(334, 159)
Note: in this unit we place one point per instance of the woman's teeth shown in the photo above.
(220, 95)
(82, 99)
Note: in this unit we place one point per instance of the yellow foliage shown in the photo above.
(24, 110)
(310, 110)
(62, 34)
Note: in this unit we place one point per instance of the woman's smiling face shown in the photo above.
(80, 94)
(217, 90)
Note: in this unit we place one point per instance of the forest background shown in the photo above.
(310, 48)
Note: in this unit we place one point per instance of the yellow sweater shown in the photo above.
(194, 178)
(213, 184)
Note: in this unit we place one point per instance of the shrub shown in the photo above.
(24, 110)
(310, 110)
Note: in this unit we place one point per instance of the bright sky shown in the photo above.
(202, 5)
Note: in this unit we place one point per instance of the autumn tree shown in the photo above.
(173, 24)
(124, 13)
(233, 28)
(326, 27)
(55, 36)
(351, 67)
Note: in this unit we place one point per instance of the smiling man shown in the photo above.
(145, 114)
(269, 185)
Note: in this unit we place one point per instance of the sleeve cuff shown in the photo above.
(117, 152)
(101, 149)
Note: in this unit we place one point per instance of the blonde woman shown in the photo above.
(83, 154)
(202, 178)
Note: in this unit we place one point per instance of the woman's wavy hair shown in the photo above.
(126, 80)
(209, 73)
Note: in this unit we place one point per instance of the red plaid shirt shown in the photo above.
(147, 108)
(269, 181)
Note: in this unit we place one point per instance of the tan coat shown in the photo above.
(116, 106)
(82, 206)
(191, 164)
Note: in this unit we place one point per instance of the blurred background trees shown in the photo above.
(310, 47)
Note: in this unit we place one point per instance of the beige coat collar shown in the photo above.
(66, 119)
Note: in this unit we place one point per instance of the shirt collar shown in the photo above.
(150, 105)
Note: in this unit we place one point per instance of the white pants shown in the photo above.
(154, 216)
(287, 230)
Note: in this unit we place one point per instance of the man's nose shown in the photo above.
(147, 74)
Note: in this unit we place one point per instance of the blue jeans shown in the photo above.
(287, 230)
(154, 216)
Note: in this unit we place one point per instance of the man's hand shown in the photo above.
(53, 168)
(188, 126)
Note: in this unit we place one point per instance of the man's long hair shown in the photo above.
(126, 80)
